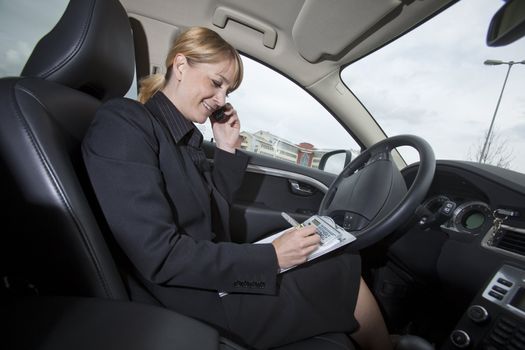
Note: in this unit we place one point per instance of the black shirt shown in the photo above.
(184, 132)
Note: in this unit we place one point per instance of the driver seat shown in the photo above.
(56, 261)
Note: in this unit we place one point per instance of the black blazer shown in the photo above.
(157, 204)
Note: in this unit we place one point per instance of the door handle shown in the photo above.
(301, 189)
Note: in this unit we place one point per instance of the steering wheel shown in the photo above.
(370, 199)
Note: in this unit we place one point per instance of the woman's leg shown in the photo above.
(372, 332)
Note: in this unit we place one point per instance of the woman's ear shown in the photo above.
(179, 65)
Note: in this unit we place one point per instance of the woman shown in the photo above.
(169, 212)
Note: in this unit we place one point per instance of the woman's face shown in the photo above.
(202, 87)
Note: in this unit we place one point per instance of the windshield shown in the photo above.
(433, 82)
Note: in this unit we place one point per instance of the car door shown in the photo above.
(272, 186)
(286, 140)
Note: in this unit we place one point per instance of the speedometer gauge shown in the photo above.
(472, 217)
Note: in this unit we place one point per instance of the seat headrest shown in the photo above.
(89, 49)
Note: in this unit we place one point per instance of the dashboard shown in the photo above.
(466, 235)
(465, 202)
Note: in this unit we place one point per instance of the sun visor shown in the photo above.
(328, 29)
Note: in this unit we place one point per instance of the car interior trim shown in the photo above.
(487, 242)
(310, 26)
(223, 14)
(293, 176)
(504, 287)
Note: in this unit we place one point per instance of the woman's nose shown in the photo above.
(220, 97)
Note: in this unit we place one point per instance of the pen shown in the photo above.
(291, 220)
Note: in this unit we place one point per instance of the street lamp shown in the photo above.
(496, 63)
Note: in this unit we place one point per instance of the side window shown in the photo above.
(281, 120)
(22, 24)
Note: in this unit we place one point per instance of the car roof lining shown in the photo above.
(339, 27)
(247, 24)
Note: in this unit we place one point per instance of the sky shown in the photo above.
(432, 82)
(436, 76)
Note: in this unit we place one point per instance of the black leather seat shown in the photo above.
(54, 240)
(53, 245)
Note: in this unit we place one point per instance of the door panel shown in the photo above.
(270, 187)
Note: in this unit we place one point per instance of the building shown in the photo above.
(263, 142)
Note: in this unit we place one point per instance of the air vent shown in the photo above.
(511, 241)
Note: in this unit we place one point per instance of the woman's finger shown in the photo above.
(308, 230)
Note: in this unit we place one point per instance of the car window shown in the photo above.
(433, 82)
(281, 120)
(22, 24)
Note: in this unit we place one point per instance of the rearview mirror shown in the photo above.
(508, 24)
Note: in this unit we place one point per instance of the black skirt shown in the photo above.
(315, 298)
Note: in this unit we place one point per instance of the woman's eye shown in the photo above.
(217, 83)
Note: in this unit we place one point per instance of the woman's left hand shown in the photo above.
(226, 132)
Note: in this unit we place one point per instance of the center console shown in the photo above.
(496, 318)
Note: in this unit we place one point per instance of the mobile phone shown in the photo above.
(218, 115)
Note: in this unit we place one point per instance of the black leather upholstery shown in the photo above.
(85, 323)
(53, 239)
(90, 49)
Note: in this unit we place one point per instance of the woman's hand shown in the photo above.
(226, 132)
(295, 245)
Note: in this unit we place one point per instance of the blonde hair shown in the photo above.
(198, 45)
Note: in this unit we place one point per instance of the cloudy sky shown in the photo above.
(436, 75)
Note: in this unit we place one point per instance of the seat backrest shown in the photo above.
(51, 232)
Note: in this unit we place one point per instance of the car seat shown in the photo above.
(52, 239)
(62, 287)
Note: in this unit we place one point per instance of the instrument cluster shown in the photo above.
(466, 216)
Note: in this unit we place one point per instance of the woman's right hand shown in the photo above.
(226, 132)
(295, 245)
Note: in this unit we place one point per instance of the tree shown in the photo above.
(497, 151)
